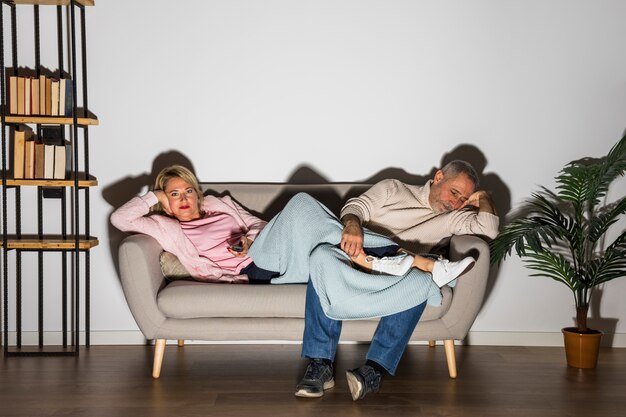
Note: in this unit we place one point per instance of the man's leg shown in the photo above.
(321, 336)
(392, 336)
(389, 343)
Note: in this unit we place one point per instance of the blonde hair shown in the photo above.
(176, 171)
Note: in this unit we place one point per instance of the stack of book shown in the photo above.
(43, 96)
(40, 158)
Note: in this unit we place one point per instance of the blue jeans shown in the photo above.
(321, 334)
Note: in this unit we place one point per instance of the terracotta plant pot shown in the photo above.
(581, 349)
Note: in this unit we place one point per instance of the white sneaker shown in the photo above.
(391, 265)
(445, 271)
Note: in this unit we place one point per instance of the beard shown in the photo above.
(442, 207)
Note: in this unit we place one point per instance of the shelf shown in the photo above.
(37, 351)
(29, 242)
(53, 120)
(91, 182)
(73, 237)
(55, 2)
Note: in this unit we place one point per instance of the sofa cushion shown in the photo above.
(171, 268)
(192, 299)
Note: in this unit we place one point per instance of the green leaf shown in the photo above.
(557, 234)
(588, 180)
(600, 224)
(612, 264)
(554, 266)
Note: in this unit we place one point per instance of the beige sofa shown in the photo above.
(189, 310)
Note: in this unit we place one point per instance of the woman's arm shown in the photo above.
(131, 216)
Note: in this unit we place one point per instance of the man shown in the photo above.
(420, 215)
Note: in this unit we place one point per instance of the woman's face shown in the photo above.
(182, 199)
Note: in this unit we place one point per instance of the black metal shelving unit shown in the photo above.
(74, 241)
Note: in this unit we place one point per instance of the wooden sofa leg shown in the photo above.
(181, 342)
(432, 343)
(159, 351)
(450, 357)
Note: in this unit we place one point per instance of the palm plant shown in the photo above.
(562, 235)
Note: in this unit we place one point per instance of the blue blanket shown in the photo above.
(301, 242)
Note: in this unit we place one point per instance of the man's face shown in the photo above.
(449, 193)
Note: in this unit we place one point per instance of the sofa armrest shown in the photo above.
(470, 288)
(141, 277)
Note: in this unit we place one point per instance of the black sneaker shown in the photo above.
(317, 378)
(363, 380)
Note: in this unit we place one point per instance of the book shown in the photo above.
(20, 95)
(42, 95)
(39, 159)
(27, 96)
(19, 139)
(34, 94)
(69, 98)
(54, 97)
(61, 160)
(48, 97)
(48, 165)
(29, 159)
(52, 134)
(13, 94)
(62, 83)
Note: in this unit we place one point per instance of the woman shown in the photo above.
(212, 236)
(199, 230)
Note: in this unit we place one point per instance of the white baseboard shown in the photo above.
(135, 337)
(534, 339)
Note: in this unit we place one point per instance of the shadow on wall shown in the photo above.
(121, 191)
(488, 181)
(596, 321)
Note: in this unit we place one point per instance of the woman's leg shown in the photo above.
(258, 275)
(442, 270)
(419, 262)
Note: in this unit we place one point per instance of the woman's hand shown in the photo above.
(245, 244)
(165, 204)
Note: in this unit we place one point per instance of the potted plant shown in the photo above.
(562, 235)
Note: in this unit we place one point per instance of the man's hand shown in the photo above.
(352, 236)
(482, 201)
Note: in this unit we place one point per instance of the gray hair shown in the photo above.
(457, 167)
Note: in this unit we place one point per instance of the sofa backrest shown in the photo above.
(267, 199)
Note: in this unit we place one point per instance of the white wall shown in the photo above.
(253, 90)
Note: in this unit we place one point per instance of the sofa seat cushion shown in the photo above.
(192, 299)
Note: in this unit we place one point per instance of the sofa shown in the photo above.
(191, 310)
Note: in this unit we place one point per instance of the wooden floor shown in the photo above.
(258, 380)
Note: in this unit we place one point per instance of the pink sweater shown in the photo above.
(131, 217)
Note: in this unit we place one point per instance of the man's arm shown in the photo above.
(478, 218)
(352, 235)
(359, 210)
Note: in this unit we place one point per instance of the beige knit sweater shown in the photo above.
(402, 212)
